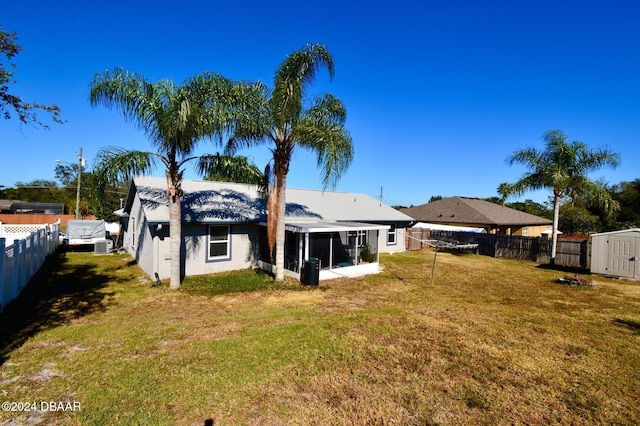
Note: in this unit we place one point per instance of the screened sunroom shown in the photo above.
(341, 248)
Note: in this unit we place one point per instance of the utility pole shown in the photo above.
(80, 163)
(382, 188)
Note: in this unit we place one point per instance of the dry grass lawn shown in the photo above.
(491, 341)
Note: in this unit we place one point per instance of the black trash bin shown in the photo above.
(310, 271)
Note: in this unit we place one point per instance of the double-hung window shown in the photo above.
(219, 241)
(391, 236)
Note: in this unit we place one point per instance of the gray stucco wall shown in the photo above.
(137, 238)
(242, 246)
(384, 247)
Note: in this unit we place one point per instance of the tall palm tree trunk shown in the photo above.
(281, 186)
(175, 235)
(554, 227)
(272, 222)
(174, 193)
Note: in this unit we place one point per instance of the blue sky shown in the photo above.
(438, 94)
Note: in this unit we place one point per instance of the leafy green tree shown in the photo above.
(106, 196)
(67, 175)
(435, 198)
(175, 118)
(531, 207)
(576, 219)
(282, 118)
(563, 167)
(36, 191)
(627, 194)
(9, 48)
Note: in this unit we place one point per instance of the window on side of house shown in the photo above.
(219, 241)
(391, 236)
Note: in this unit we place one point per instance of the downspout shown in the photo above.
(300, 252)
(331, 251)
(156, 249)
(306, 246)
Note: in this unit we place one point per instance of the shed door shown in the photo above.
(636, 261)
(622, 252)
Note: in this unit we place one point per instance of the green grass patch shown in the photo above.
(235, 282)
(489, 341)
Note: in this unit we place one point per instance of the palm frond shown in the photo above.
(130, 94)
(292, 78)
(253, 123)
(321, 129)
(115, 164)
(228, 168)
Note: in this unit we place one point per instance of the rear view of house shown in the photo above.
(224, 228)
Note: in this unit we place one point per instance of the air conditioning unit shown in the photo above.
(103, 247)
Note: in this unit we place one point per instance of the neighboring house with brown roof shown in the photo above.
(474, 212)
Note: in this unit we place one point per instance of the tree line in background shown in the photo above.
(584, 217)
(95, 199)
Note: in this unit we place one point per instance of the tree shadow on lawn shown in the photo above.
(566, 269)
(57, 293)
(631, 325)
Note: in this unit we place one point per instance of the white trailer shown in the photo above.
(85, 233)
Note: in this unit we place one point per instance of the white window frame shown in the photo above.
(392, 232)
(362, 237)
(227, 241)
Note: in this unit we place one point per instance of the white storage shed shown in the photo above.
(616, 253)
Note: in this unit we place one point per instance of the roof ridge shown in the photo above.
(481, 214)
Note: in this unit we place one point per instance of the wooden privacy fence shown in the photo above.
(569, 252)
(21, 260)
(38, 218)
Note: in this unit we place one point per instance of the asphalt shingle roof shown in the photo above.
(472, 211)
(211, 202)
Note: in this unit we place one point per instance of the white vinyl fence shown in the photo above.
(22, 252)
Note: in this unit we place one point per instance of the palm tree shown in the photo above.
(283, 118)
(175, 119)
(563, 167)
(504, 190)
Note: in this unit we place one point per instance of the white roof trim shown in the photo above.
(620, 231)
(440, 227)
(316, 227)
